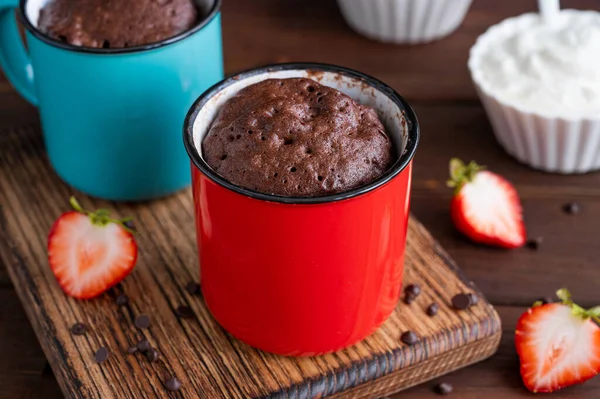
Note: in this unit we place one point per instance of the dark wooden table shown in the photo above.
(434, 78)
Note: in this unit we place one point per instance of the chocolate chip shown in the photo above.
(142, 321)
(535, 243)
(173, 384)
(193, 288)
(132, 349)
(101, 355)
(152, 355)
(143, 345)
(432, 309)
(78, 329)
(412, 290)
(185, 312)
(572, 208)
(408, 299)
(409, 338)
(474, 298)
(122, 300)
(461, 301)
(443, 388)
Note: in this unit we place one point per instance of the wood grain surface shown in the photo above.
(434, 78)
(208, 361)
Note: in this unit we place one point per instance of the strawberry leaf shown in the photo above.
(579, 311)
(456, 168)
(75, 205)
(564, 295)
(101, 217)
(461, 173)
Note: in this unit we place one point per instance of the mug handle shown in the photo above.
(14, 59)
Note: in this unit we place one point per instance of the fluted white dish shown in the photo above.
(549, 143)
(404, 21)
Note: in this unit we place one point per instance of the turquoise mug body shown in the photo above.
(112, 118)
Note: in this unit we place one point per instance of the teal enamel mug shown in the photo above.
(112, 118)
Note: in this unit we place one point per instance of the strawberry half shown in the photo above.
(558, 344)
(89, 252)
(485, 207)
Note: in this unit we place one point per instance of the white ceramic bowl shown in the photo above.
(545, 142)
(404, 21)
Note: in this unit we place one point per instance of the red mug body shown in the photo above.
(303, 276)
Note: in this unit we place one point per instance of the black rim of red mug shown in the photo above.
(214, 11)
(401, 163)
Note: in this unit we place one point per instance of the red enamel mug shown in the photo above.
(303, 276)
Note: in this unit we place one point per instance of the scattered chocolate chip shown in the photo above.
(535, 243)
(132, 349)
(185, 312)
(101, 355)
(474, 298)
(412, 290)
(432, 309)
(409, 338)
(545, 300)
(408, 299)
(142, 321)
(130, 225)
(152, 355)
(173, 384)
(143, 345)
(122, 300)
(443, 388)
(193, 288)
(461, 301)
(78, 329)
(572, 208)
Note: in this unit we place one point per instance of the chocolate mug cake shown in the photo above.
(116, 23)
(297, 138)
(321, 270)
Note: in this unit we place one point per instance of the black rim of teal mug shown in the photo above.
(214, 11)
(399, 165)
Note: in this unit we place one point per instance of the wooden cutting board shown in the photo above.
(209, 362)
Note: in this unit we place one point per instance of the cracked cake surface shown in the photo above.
(116, 23)
(297, 138)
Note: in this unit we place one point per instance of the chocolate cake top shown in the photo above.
(297, 138)
(116, 23)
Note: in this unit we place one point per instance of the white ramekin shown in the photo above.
(544, 142)
(404, 21)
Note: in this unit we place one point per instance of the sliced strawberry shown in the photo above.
(89, 252)
(485, 207)
(558, 345)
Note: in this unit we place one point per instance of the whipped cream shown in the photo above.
(548, 69)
